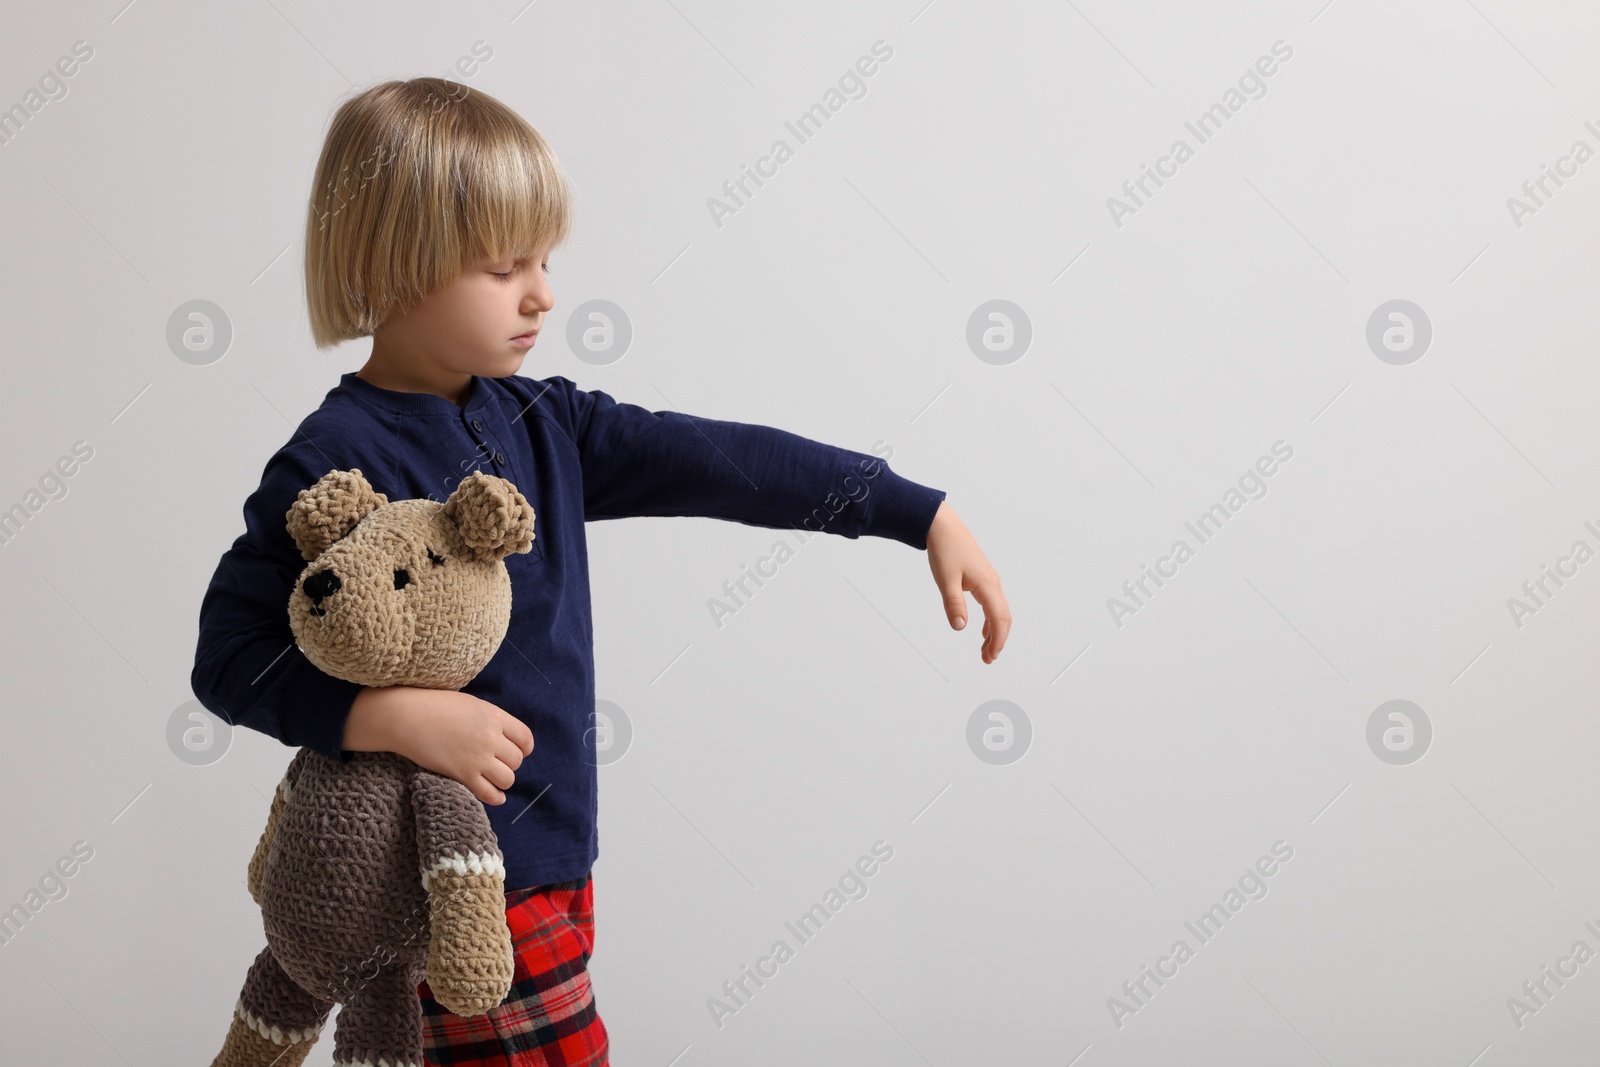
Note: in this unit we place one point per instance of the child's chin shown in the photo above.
(509, 363)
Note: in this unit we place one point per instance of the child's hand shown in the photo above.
(454, 734)
(960, 567)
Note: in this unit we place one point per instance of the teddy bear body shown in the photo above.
(340, 878)
(375, 874)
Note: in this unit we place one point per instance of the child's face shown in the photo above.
(468, 326)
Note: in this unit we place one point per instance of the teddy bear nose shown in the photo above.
(321, 585)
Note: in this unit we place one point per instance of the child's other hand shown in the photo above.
(960, 567)
(454, 734)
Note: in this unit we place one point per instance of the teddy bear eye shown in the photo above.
(401, 578)
(434, 558)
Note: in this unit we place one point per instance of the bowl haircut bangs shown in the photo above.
(417, 181)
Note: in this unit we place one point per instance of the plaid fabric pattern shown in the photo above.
(549, 1018)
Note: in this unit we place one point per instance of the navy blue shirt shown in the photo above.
(577, 456)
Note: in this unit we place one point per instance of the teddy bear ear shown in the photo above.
(330, 509)
(493, 519)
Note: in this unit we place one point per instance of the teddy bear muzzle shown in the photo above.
(319, 587)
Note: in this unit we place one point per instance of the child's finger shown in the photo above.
(487, 792)
(996, 618)
(955, 608)
(519, 734)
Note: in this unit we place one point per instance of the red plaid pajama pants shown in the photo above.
(548, 1019)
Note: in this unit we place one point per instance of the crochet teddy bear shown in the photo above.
(375, 874)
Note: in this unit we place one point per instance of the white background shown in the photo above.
(1230, 312)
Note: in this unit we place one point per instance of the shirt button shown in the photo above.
(477, 424)
(500, 458)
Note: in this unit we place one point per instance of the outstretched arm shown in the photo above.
(960, 567)
(667, 463)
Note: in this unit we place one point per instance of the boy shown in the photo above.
(432, 215)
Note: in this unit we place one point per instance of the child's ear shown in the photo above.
(494, 520)
(330, 509)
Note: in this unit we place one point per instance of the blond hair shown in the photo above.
(418, 180)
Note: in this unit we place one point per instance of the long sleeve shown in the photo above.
(639, 462)
(247, 668)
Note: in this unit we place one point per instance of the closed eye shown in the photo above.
(505, 275)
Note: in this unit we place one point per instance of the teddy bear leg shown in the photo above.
(275, 1022)
(381, 1020)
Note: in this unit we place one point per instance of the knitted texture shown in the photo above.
(492, 517)
(401, 596)
(326, 512)
(376, 874)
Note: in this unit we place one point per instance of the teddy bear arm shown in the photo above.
(470, 962)
(453, 832)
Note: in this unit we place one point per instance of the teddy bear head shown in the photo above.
(408, 592)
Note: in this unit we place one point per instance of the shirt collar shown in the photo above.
(416, 403)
